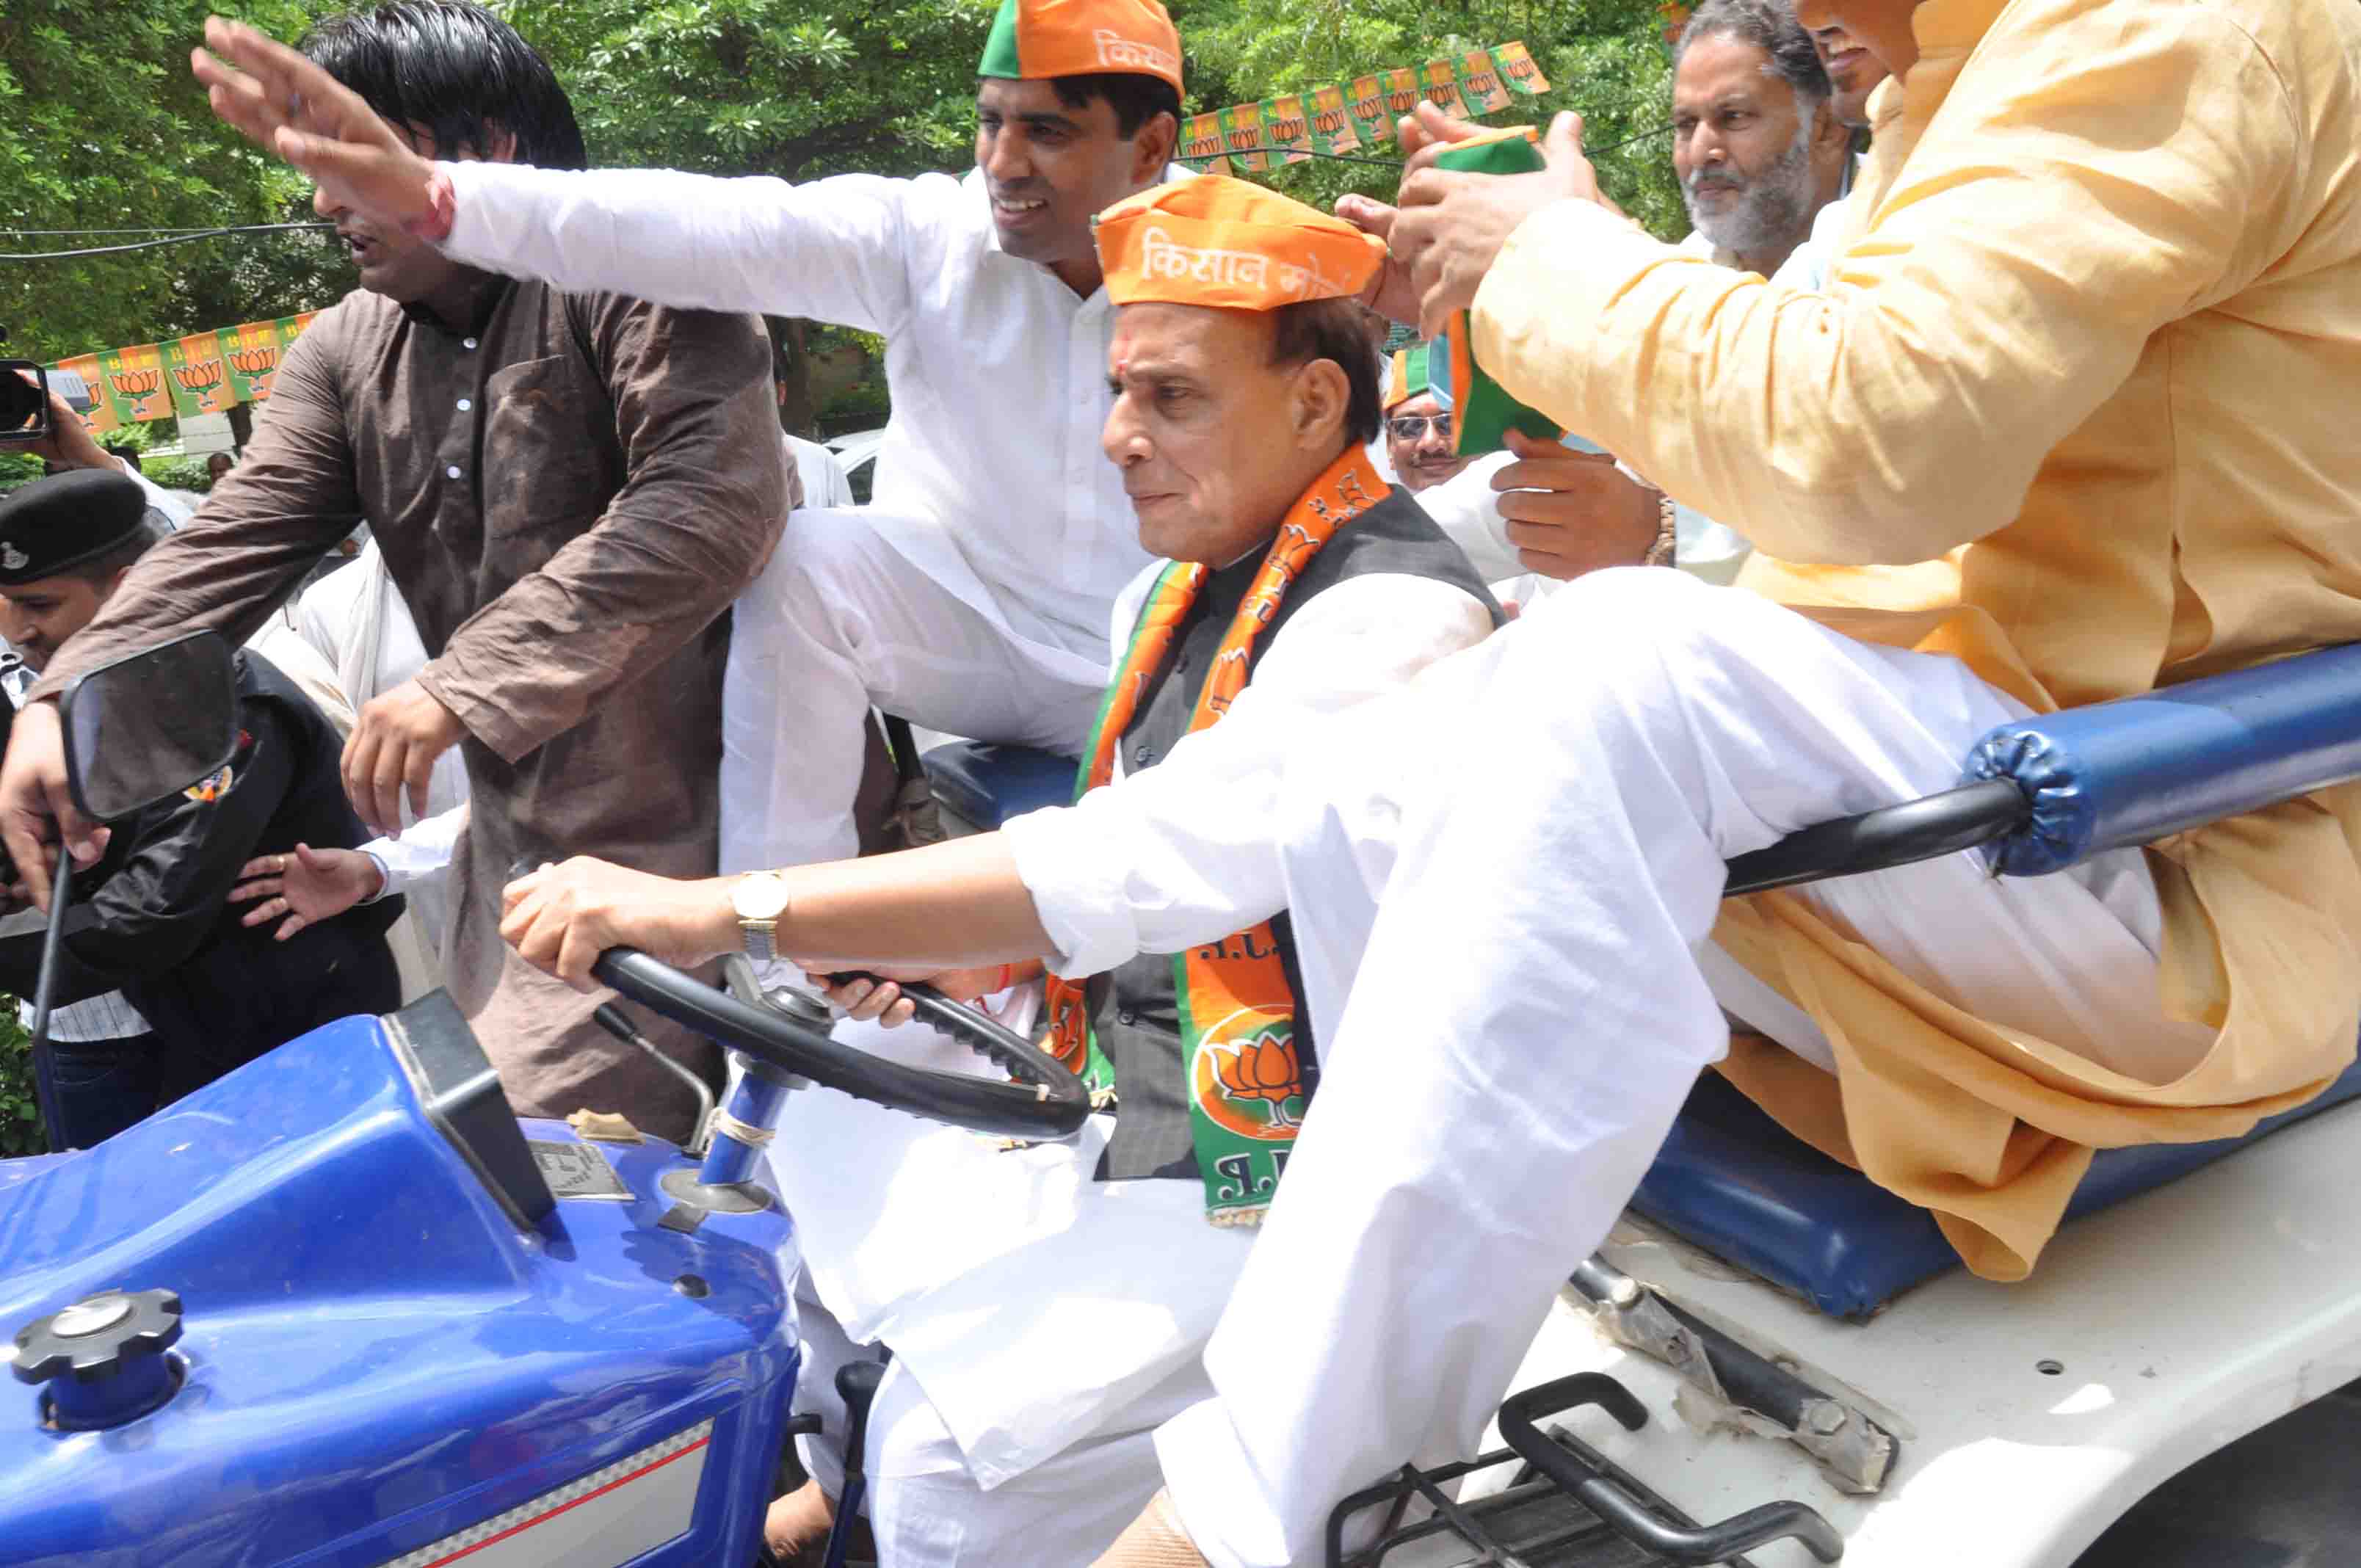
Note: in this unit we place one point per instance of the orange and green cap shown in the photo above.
(1231, 245)
(1033, 40)
(1410, 376)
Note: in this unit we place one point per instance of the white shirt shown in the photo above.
(358, 620)
(997, 370)
(1467, 508)
(1181, 853)
(823, 476)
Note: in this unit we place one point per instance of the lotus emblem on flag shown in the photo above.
(1262, 1066)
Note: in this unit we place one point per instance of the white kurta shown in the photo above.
(1499, 880)
(970, 596)
(359, 622)
(1034, 1306)
(824, 480)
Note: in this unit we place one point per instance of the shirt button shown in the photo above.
(466, 343)
(464, 405)
(1143, 756)
(452, 472)
(1125, 1018)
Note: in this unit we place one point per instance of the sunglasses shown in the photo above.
(1411, 427)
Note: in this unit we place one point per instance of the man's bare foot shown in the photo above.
(797, 1523)
(1154, 1540)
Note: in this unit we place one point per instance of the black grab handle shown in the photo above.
(1626, 1514)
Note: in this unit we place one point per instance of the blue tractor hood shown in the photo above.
(383, 1347)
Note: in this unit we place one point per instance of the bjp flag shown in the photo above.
(133, 383)
(1481, 84)
(1438, 84)
(197, 376)
(1242, 138)
(99, 418)
(252, 354)
(1286, 128)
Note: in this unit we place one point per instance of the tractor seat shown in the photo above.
(1733, 1181)
(986, 784)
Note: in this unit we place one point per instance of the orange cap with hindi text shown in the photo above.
(1232, 245)
(1032, 40)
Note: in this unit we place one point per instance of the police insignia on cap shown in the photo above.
(13, 559)
(207, 791)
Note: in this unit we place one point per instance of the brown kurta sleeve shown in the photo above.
(259, 531)
(699, 510)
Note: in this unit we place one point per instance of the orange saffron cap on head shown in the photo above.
(1032, 40)
(1231, 245)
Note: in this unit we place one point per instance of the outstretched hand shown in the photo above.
(307, 887)
(287, 105)
(1450, 225)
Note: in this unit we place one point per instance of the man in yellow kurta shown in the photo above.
(2071, 420)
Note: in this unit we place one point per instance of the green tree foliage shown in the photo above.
(102, 127)
(795, 88)
(1604, 59)
(20, 1109)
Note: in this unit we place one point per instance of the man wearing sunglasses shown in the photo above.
(1418, 429)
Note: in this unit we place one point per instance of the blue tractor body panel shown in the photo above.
(378, 1357)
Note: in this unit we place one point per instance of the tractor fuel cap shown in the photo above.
(103, 1357)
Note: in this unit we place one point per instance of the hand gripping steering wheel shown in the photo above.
(1046, 1101)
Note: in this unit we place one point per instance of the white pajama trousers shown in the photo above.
(923, 1503)
(855, 609)
(1500, 881)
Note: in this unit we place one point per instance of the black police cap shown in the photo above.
(55, 524)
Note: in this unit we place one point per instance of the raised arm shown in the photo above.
(834, 251)
(831, 251)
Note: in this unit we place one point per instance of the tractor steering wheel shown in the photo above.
(1046, 1101)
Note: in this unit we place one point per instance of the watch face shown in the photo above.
(760, 897)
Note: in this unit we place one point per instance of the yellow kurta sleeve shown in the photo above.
(2107, 173)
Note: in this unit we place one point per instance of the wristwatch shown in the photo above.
(760, 898)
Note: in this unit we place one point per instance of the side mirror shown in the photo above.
(150, 725)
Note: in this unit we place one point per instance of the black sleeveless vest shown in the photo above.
(1135, 1008)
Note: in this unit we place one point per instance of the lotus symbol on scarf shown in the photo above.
(1262, 1066)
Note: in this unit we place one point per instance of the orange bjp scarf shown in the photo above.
(1237, 1013)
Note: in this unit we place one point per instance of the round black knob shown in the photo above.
(103, 1356)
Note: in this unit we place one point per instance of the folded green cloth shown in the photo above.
(1483, 414)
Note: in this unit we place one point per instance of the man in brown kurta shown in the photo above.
(569, 492)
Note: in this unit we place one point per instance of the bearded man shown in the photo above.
(1018, 1422)
(1755, 143)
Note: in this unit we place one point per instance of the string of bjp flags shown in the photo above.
(1331, 121)
(210, 372)
(207, 372)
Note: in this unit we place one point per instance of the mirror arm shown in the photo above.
(45, 1082)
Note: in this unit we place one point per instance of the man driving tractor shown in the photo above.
(2065, 425)
(2081, 391)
